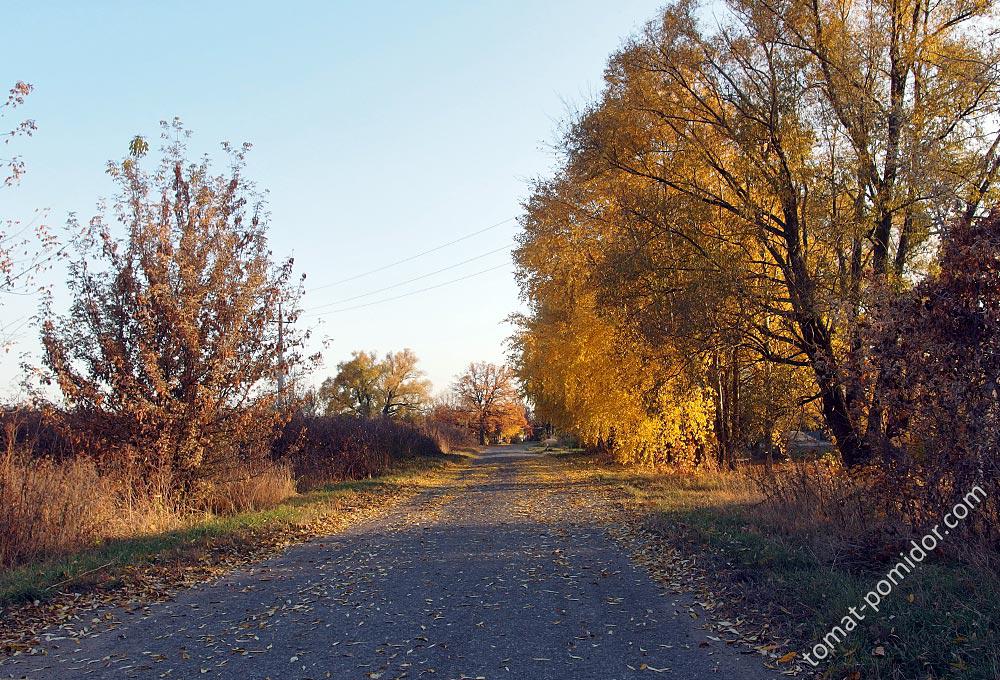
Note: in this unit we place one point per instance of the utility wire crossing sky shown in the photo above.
(377, 130)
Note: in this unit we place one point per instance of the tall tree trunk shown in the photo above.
(722, 407)
(735, 429)
(818, 346)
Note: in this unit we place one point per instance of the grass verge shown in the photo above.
(212, 545)
(939, 622)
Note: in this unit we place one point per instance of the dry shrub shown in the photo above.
(50, 507)
(448, 436)
(937, 350)
(325, 449)
(167, 355)
(39, 432)
(820, 500)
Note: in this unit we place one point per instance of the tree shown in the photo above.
(486, 392)
(355, 388)
(403, 390)
(743, 195)
(445, 410)
(170, 352)
(367, 387)
(14, 164)
(510, 422)
(25, 249)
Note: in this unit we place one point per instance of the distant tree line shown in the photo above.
(484, 400)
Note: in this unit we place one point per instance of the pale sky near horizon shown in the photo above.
(380, 130)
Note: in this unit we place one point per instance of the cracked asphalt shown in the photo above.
(504, 574)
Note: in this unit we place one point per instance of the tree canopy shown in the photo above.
(706, 264)
(366, 386)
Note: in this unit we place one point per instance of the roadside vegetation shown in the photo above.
(137, 569)
(215, 542)
(169, 415)
(767, 268)
(781, 577)
(54, 505)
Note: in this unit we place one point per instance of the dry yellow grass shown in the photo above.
(251, 490)
(49, 508)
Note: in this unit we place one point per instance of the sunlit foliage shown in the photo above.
(366, 386)
(734, 207)
(170, 355)
(487, 399)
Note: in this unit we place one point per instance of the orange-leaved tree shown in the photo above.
(488, 393)
(172, 351)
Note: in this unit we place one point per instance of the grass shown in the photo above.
(219, 542)
(939, 622)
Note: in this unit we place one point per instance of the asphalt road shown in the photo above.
(503, 575)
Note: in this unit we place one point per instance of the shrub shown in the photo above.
(324, 449)
(448, 437)
(169, 355)
(938, 370)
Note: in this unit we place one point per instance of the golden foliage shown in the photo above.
(732, 209)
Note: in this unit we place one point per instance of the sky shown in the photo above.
(380, 130)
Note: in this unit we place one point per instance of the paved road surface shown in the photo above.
(501, 576)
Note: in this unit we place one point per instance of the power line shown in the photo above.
(403, 283)
(414, 292)
(413, 257)
(10, 337)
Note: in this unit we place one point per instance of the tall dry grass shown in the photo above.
(55, 500)
(812, 496)
(863, 515)
(49, 508)
(249, 490)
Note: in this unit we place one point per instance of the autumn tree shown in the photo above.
(354, 389)
(743, 195)
(446, 411)
(14, 164)
(169, 354)
(487, 392)
(26, 248)
(366, 386)
(509, 423)
(403, 389)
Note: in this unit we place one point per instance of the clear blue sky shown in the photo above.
(379, 129)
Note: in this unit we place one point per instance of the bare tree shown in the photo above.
(486, 391)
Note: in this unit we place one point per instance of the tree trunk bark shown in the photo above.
(818, 346)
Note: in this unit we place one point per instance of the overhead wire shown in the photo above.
(410, 280)
(412, 292)
(413, 257)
